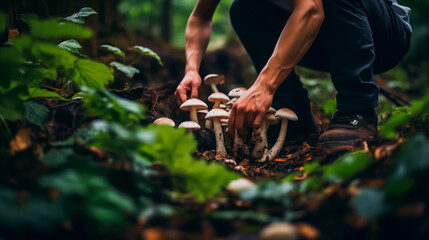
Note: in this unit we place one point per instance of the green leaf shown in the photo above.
(12, 104)
(72, 46)
(53, 28)
(39, 92)
(371, 203)
(114, 49)
(91, 74)
(10, 63)
(129, 71)
(36, 113)
(58, 157)
(26, 17)
(79, 16)
(84, 135)
(148, 52)
(3, 22)
(411, 159)
(347, 167)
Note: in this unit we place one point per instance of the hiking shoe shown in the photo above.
(348, 128)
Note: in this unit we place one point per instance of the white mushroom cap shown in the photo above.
(240, 185)
(190, 125)
(217, 113)
(164, 121)
(271, 110)
(271, 119)
(213, 79)
(237, 92)
(280, 230)
(193, 103)
(224, 122)
(218, 97)
(286, 113)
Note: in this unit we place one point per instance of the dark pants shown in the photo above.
(358, 39)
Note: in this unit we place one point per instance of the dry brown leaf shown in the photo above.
(308, 231)
(21, 142)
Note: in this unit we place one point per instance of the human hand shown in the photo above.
(190, 83)
(249, 110)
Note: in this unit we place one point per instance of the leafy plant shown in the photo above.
(28, 60)
(128, 69)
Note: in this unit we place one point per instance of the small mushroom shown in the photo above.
(260, 136)
(192, 106)
(213, 79)
(280, 230)
(164, 121)
(285, 114)
(217, 99)
(234, 94)
(216, 115)
(239, 185)
(190, 125)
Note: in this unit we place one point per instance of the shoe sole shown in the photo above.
(354, 144)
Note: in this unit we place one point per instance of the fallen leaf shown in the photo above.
(279, 160)
(308, 231)
(21, 141)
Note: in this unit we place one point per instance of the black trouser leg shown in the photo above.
(259, 24)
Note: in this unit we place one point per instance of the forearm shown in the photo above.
(295, 40)
(197, 36)
(198, 31)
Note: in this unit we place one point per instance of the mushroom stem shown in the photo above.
(260, 139)
(193, 115)
(214, 88)
(239, 146)
(220, 146)
(279, 143)
(216, 104)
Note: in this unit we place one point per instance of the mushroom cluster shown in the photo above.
(217, 120)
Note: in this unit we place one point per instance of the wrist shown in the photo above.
(271, 76)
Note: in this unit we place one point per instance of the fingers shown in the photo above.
(258, 120)
(181, 95)
(194, 91)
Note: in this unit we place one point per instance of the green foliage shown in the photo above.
(409, 163)
(371, 203)
(129, 71)
(36, 113)
(72, 46)
(106, 105)
(54, 28)
(347, 167)
(40, 92)
(58, 157)
(36, 213)
(114, 50)
(80, 16)
(403, 116)
(148, 52)
(91, 74)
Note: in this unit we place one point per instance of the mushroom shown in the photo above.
(192, 105)
(260, 136)
(239, 185)
(285, 114)
(239, 147)
(216, 115)
(234, 94)
(190, 125)
(280, 230)
(213, 79)
(217, 99)
(164, 121)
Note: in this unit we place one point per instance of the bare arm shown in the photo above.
(298, 35)
(197, 36)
